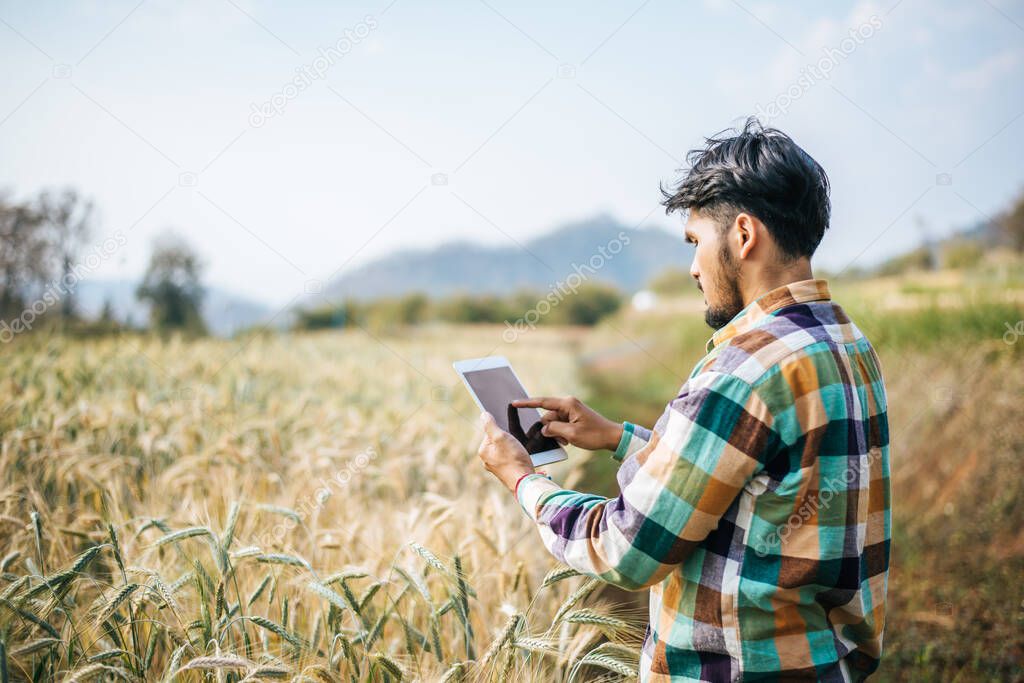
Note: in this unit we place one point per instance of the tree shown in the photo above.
(23, 255)
(172, 286)
(40, 240)
(1013, 224)
(107, 315)
(67, 218)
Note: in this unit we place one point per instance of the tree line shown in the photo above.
(586, 305)
(47, 248)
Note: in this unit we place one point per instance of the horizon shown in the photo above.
(470, 241)
(113, 284)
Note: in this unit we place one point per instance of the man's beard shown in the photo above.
(727, 291)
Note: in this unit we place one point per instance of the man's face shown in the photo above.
(715, 269)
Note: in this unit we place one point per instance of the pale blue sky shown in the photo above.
(537, 114)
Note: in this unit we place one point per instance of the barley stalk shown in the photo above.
(91, 670)
(605, 622)
(389, 665)
(610, 656)
(504, 638)
(34, 646)
(123, 594)
(9, 559)
(216, 662)
(585, 589)
(182, 534)
(557, 574)
(326, 593)
(457, 672)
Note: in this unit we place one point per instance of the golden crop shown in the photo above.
(299, 507)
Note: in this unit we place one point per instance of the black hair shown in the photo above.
(759, 171)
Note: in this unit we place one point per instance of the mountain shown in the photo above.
(225, 313)
(987, 233)
(599, 249)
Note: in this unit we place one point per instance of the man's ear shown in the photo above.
(746, 231)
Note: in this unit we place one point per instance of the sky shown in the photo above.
(290, 141)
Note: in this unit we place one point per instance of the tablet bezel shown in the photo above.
(489, 363)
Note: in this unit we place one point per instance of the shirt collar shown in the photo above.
(769, 302)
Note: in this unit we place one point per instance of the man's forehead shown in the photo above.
(696, 223)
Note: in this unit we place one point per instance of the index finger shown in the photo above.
(545, 402)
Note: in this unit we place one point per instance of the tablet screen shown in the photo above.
(496, 388)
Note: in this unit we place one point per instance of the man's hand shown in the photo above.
(570, 421)
(533, 440)
(502, 454)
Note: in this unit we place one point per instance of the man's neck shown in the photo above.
(769, 281)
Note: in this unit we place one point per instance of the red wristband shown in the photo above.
(515, 491)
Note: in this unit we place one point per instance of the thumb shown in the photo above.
(491, 428)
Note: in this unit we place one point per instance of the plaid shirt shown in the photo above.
(758, 509)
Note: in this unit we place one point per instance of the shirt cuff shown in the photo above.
(530, 490)
(634, 438)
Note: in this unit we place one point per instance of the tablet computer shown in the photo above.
(494, 385)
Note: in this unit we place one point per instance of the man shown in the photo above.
(757, 511)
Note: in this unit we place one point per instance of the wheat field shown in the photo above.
(310, 507)
(296, 507)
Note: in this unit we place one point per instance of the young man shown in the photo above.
(757, 510)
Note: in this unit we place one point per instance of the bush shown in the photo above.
(410, 309)
(327, 317)
(672, 281)
(962, 254)
(918, 259)
(587, 306)
(465, 308)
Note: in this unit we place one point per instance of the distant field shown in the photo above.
(311, 505)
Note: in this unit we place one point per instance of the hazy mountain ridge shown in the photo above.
(630, 258)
